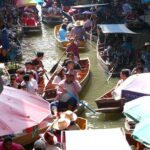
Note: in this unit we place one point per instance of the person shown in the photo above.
(67, 93)
(78, 32)
(145, 55)
(140, 66)
(13, 82)
(4, 41)
(126, 7)
(88, 24)
(27, 85)
(19, 78)
(60, 75)
(62, 34)
(8, 144)
(54, 10)
(31, 21)
(73, 47)
(124, 74)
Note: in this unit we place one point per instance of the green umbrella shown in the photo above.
(141, 132)
(138, 109)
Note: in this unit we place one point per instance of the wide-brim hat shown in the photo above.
(69, 115)
(147, 44)
(61, 124)
(77, 24)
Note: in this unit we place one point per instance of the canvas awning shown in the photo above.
(115, 28)
(104, 139)
(88, 5)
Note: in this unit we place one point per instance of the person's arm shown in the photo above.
(77, 86)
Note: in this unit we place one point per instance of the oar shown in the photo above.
(56, 65)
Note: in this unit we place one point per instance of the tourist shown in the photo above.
(145, 55)
(124, 74)
(31, 21)
(54, 10)
(62, 34)
(78, 32)
(59, 75)
(67, 93)
(73, 47)
(8, 144)
(19, 78)
(13, 82)
(88, 24)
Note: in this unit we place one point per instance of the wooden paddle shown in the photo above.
(56, 65)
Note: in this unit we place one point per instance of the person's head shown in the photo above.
(50, 138)
(26, 77)
(147, 46)
(140, 63)
(69, 64)
(64, 26)
(30, 73)
(28, 65)
(60, 71)
(12, 78)
(40, 55)
(35, 64)
(39, 145)
(70, 76)
(124, 74)
(20, 73)
(7, 143)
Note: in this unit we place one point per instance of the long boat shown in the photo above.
(63, 44)
(107, 104)
(83, 76)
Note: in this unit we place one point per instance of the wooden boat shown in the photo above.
(82, 76)
(107, 104)
(32, 29)
(63, 44)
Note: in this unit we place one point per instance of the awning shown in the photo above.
(104, 139)
(115, 28)
(23, 3)
(133, 87)
(88, 5)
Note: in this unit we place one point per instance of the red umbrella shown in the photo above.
(20, 110)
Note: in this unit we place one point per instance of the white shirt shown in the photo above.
(56, 80)
(35, 84)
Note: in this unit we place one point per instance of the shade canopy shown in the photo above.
(20, 110)
(88, 5)
(23, 3)
(133, 87)
(105, 139)
(141, 132)
(115, 28)
(138, 109)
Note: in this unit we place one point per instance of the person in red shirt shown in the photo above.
(8, 144)
(31, 21)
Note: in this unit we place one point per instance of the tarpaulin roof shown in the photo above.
(88, 5)
(115, 28)
(136, 85)
(20, 110)
(22, 3)
(104, 139)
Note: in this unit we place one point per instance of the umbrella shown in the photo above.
(133, 87)
(20, 110)
(88, 12)
(22, 3)
(138, 109)
(141, 132)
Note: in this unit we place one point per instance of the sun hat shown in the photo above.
(69, 115)
(71, 72)
(77, 24)
(39, 144)
(61, 124)
(147, 44)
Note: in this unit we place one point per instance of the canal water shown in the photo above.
(97, 84)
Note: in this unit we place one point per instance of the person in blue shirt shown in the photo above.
(63, 33)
